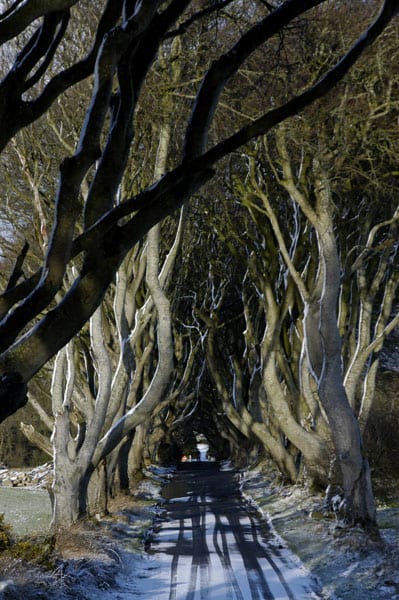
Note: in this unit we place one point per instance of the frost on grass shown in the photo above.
(106, 560)
(348, 564)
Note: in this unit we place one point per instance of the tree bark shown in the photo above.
(355, 470)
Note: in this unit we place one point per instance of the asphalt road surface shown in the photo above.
(213, 544)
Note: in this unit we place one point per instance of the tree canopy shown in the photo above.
(118, 55)
(115, 113)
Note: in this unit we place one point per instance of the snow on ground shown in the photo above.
(114, 566)
(349, 565)
(345, 562)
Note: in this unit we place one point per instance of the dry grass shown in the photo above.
(84, 540)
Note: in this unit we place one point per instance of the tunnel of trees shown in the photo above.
(199, 235)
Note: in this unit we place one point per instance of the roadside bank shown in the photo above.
(346, 562)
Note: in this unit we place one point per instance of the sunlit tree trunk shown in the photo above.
(325, 360)
(358, 495)
(68, 470)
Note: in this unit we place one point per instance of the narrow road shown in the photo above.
(216, 546)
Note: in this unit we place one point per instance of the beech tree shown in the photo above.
(35, 325)
(117, 371)
(293, 345)
(310, 193)
(107, 380)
